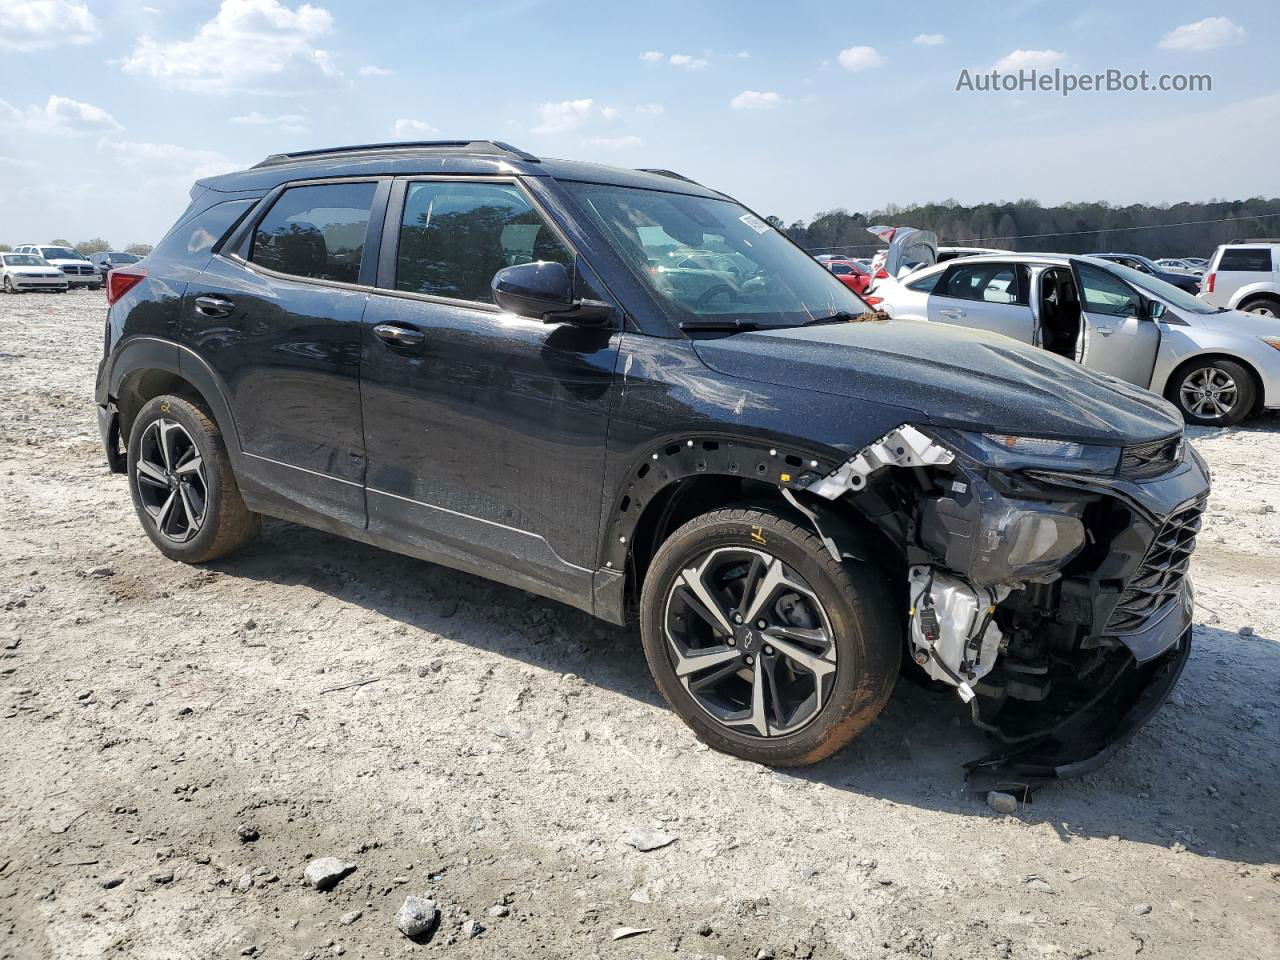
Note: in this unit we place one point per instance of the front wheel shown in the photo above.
(1213, 392)
(182, 485)
(8, 285)
(765, 645)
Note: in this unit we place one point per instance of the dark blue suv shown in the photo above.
(626, 391)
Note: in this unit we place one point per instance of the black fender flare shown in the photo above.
(140, 354)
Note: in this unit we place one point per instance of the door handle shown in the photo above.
(953, 314)
(214, 306)
(397, 336)
(1105, 331)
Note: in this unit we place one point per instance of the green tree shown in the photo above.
(59, 243)
(5, 248)
(96, 245)
(139, 249)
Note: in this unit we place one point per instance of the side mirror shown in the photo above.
(1154, 309)
(544, 291)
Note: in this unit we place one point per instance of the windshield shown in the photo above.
(60, 253)
(712, 260)
(120, 258)
(23, 260)
(1173, 296)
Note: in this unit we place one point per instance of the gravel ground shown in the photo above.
(179, 743)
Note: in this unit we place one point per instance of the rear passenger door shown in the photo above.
(989, 295)
(485, 432)
(277, 315)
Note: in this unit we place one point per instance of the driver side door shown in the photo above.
(1116, 337)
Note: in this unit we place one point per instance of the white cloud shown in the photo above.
(372, 71)
(27, 25)
(652, 109)
(612, 143)
(855, 59)
(652, 56)
(929, 39)
(757, 100)
(686, 61)
(285, 122)
(167, 161)
(14, 163)
(565, 115)
(1207, 34)
(60, 115)
(743, 55)
(609, 113)
(255, 45)
(412, 129)
(1029, 60)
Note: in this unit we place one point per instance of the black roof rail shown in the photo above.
(477, 146)
(657, 171)
(1255, 240)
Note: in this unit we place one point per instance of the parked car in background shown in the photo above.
(74, 266)
(946, 253)
(789, 494)
(851, 273)
(1200, 262)
(105, 262)
(1245, 275)
(1185, 281)
(26, 271)
(1217, 366)
(1183, 266)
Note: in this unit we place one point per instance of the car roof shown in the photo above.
(462, 157)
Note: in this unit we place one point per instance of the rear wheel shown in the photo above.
(765, 645)
(1213, 392)
(1266, 306)
(182, 485)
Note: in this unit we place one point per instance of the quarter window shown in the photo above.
(1246, 260)
(926, 284)
(1107, 294)
(454, 236)
(316, 232)
(988, 282)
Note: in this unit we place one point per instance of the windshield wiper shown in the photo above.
(840, 316)
(733, 326)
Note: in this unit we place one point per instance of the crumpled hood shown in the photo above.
(954, 376)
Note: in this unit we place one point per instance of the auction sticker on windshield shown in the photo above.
(754, 222)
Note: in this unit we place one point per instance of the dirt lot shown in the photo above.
(499, 747)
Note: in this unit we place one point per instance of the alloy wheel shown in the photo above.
(1208, 392)
(1263, 309)
(171, 481)
(750, 642)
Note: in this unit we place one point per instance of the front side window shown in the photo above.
(454, 236)
(988, 282)
(710, 259)
(1161, 290)
(1107, 294)
(316, 232)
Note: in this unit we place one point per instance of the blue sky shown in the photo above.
(108, 110)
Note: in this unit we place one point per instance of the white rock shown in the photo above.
(416, 916)
(323, 873)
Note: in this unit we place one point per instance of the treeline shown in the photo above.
(96, 245)
(1024, 225)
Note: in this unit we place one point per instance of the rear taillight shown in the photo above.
(881, 274)
(1209, 282)
(121, 280)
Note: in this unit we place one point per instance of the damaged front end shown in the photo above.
(1045, 581)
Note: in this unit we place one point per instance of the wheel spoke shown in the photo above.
(775, 696)
(164, 513)
(163, 432)
(765, 587)
(758, 718)
(692, 662)
(192, 522)
(193, 464)
(715, 676)
(707, 606)
(815, 664)
(149, 472)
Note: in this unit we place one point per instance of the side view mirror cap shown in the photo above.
(1155, 309)
(544, 291)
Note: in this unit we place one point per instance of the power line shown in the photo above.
(1064, 233)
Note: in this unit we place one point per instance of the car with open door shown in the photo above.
(627, 392)
(1216, 365)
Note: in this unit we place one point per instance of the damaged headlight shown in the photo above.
(990, 538)
(1008, 452)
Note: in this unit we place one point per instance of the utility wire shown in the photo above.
(1064, 233)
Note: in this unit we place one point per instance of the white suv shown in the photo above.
(1244, 275)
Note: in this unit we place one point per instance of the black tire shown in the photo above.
(9, 287)
(1191, 390)
(224, 524)
(95, 286)
(1266, 306)
(865, 638)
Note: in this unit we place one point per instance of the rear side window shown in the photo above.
(1246, 259)
(926, 284)
(316, 232)
(988, 282)
(193, 240)
(455, 236)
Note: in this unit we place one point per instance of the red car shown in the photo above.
(852, 275)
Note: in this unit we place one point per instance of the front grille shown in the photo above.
(1162, 571)
(1145, 460)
